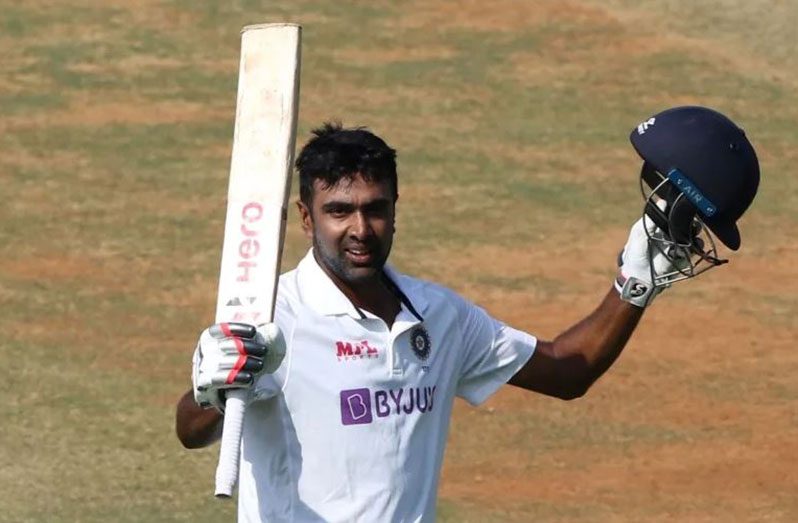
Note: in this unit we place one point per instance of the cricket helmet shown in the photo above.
(702, 173)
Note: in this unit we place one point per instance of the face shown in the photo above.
(351, 226)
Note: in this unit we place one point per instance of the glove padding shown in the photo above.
(640, 264)
(232, 356)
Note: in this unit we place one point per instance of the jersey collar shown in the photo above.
(322, 295)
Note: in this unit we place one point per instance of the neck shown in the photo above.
(372, 295)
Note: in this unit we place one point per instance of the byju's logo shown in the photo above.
(360, 406)
(346, 350)
(356, 406)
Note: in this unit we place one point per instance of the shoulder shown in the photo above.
(434, 296)
(288, 286)
(288, 299)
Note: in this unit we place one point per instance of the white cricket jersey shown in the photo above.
(352, 426)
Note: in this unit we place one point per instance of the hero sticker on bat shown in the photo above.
(248, 249)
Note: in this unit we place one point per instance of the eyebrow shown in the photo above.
(377, 204)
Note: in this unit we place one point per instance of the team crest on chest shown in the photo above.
(419, 342)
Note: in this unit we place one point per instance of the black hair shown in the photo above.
(336, 153)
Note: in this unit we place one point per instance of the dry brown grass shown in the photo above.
(112, 229)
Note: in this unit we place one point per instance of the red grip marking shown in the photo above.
(240, 362)
(225, 329)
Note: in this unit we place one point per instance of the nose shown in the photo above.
(360, 228)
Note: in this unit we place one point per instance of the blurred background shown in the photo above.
(518, 186)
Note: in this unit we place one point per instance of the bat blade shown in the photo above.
(260, 183)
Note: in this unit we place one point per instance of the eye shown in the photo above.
(337, 211)
(379, 209)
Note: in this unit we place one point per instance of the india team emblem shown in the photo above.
(419, 342)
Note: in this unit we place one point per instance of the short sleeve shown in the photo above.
(494, 352)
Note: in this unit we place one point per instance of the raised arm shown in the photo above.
(700, 174)
(569, 365)
(566, 367)
(228, 356)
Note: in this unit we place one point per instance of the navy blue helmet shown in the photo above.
(702, 174)
(715, 165)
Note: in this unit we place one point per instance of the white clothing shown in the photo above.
(353, 425)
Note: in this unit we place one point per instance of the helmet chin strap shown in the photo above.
(681, 236)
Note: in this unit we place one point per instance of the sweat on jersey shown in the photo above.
(353, 425)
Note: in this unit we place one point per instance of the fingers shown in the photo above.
(239, 361)
(240, 346)
(240, 378)
(251, 364)
(247, 363)
(241, 351)
(236, 339)
(652, 228)
(224, 380)
(230, 329)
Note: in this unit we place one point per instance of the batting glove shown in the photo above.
(639, 265)
(232, 356)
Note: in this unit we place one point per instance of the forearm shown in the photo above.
(196, 427)
(597, 340)
(566, 367)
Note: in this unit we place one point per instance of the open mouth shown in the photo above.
(360, 256)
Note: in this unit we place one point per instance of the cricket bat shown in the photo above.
(260, 183)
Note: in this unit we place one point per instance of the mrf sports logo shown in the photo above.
(346, 350)
(362, 406)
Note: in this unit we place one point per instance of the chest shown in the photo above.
(359, 365)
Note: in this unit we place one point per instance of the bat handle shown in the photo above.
(230, 450)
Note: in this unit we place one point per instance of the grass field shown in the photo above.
(517, 186)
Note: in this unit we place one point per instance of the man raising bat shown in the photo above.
(351, 424)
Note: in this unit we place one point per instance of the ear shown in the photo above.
(306, 218)
(393, 221)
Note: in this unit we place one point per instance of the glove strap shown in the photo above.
(635, 291)
(219, 406)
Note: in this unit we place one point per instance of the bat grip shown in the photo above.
(230, 449)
